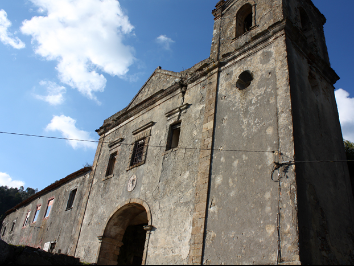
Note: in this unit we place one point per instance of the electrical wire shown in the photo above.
(278, 165)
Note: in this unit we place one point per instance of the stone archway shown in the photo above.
(124, 239)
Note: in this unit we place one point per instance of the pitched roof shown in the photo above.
(50, 188)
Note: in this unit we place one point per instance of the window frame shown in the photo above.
(36, 214)
(111, 164)
(3, 230)
(241, 16)
(13, 226)
(138, 149)
(71, 199)
(172, 129)
(51, 207)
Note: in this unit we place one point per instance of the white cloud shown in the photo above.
(84, 37)
(346, 113)
(66, 125)
(55, 93)
(6, 180)
(5, 36)
(164, 41)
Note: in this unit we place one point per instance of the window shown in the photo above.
(138, 152)
(71, 199)
(36, 214)
(3, 231)
(13, 226)
(49, 207)
(26, 219)
(173, 139)
(244, 20)
(112, 161)
(244, 80)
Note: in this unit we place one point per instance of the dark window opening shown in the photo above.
(138, 152)
(13, 226)
(3, 232)
(244, 20)
(111, 163)
(244, 80)
(248, 23)
(71, 199)
(175, 131)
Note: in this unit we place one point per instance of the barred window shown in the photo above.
(138, 152)
(71, 199)
(111, 163)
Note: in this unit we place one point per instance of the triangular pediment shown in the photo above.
(159, 80)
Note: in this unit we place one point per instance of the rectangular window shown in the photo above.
(49, 207)
(27, 217)
(138, 152)
(36, 213)
(71, 199)
(173, 139)
(111, 163)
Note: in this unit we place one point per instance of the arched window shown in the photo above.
(307, 27)
(244, 20)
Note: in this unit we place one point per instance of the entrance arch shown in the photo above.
(124, 239)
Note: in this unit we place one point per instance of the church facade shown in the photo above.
(237, 160)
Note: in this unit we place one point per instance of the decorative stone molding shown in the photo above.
(114, 143)
(142, 128)
(177, 110)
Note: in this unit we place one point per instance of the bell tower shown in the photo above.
(279, 189)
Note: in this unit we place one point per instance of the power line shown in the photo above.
(186, 148)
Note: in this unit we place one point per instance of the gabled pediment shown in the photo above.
(159, 80)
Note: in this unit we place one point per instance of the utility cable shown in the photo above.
(277, 165)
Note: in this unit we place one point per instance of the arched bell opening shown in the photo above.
(307, 29)
(244, 20)
(123, 241)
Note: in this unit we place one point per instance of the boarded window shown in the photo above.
(49, 208)
(111, 163)
(138, 152)
(36, 213)
(71, 199)
(173, 139)
(27, 218)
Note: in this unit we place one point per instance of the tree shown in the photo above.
(10, 197)
(349, 151)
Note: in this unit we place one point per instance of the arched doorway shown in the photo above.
(123, 241)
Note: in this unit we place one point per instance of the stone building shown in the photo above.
(236, 160)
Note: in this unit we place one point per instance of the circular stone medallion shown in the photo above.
(132, 183)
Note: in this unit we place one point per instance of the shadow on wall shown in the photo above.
(23, 255)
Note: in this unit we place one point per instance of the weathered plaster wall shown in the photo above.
(62, 226)
(324, 188)
(267, 13)
(244, 200)
(166, 182)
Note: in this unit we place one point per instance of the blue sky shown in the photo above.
(68, 65)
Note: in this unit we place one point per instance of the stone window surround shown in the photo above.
(143, 132)
(25, 222)
(113, 147)
(72, 204)
(254, 22)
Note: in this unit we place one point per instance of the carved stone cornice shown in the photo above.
(217, 12)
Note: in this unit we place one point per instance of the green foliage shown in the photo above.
(10, 197)
(349, 149)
